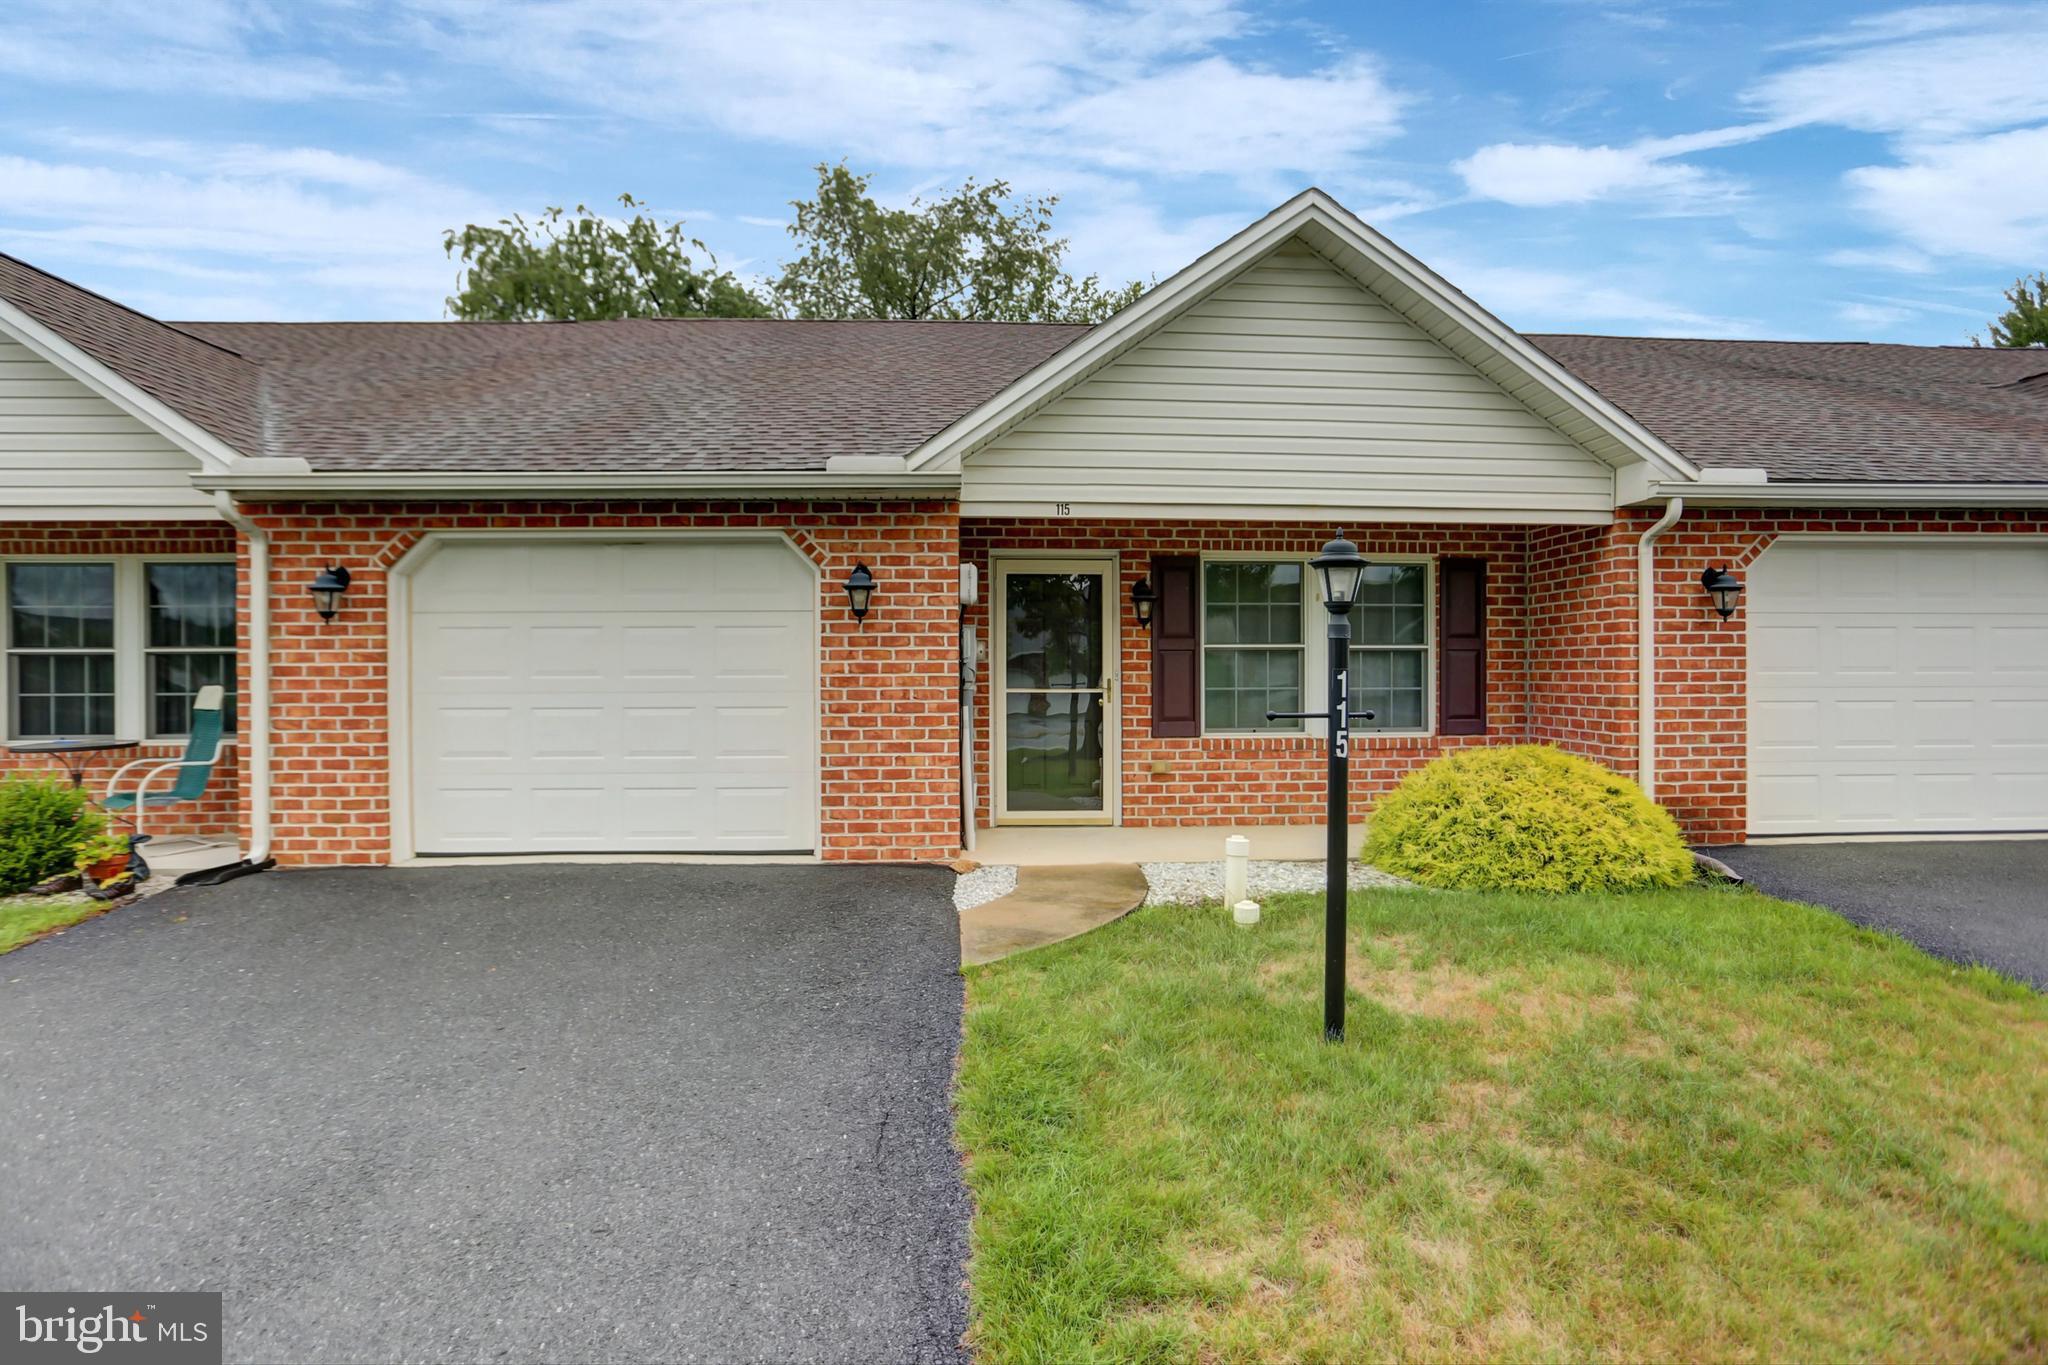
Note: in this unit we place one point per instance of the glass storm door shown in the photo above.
(1056, 726)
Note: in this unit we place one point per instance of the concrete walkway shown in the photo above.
(1049, 904)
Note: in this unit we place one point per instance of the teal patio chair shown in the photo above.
(194, 770)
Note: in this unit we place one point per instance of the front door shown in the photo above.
(1055, 696)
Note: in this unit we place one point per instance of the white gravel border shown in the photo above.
(1199, 883)
(984, 884)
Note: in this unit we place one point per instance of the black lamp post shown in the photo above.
(1342, 568)
(327, 588)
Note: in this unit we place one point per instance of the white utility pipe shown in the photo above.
(256, 706)
(1237, 864)
(1646, 646)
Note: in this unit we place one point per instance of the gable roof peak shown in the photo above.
(1376, 265)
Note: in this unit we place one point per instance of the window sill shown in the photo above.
(1367, 738)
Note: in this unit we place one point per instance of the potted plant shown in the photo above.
(104, 857)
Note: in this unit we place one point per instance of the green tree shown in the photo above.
(581, 267)
(2026, 322)
(975, 254)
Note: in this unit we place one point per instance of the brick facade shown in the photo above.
(888, 745)
(1272, 779)
(1561, 656)
(1703, 661)
(1560, 645)
(215, 813)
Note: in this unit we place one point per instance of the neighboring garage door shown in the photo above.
(1898, 687)
(585, 696)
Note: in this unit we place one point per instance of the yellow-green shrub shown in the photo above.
(43, 820)
(1525, 818)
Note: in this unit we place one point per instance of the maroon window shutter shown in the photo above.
(1461, 648)
(1177, 647)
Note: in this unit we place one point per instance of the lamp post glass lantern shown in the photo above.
(327, 588)
(1342, 569)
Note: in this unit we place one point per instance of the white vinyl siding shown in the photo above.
(1289, 387)
(62, 445)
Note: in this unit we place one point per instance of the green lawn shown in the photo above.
(1685, 1125)
(24, 919)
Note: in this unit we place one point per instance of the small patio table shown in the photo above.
(74, 754)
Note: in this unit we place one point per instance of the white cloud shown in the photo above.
(1550, 173)
(274, 224)
(1984, 198)
(1534, 299)
(1901, 259)
(214, 47)
(1534, 175)
(1130, 240)
(1936, 71)
(1950, 86)
(1216, 117)
(1141, 87)
(1875, 316)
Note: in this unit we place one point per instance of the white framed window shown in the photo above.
(1264, 647)
(115, 646)
(1254, 644)
(1392, 642)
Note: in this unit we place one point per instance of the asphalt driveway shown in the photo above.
(1972, 902)
(634, 1112)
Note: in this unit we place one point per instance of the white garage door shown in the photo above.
(1898, 686)
(582, 696)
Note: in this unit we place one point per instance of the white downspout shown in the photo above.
(1646, 646)
(256, 706)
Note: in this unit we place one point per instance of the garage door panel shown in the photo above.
(1898, 687)
(1861, 649)
(1792, 651)
(752, 813)
(625, 721)
(652, 813)
(571, 732)
(668, 653)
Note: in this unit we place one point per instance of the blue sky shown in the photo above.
(1805, 170)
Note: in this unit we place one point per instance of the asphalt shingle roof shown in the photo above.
(203, 382)
(1829, 411)
(670, 394)
(773, 395)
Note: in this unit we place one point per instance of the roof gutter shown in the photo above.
(603, 483)
(1818, 494)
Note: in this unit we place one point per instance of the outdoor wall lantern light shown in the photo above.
(1142, 598)
(860, 586)
(328, 587)
(1343, 569)
(1723, 587)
